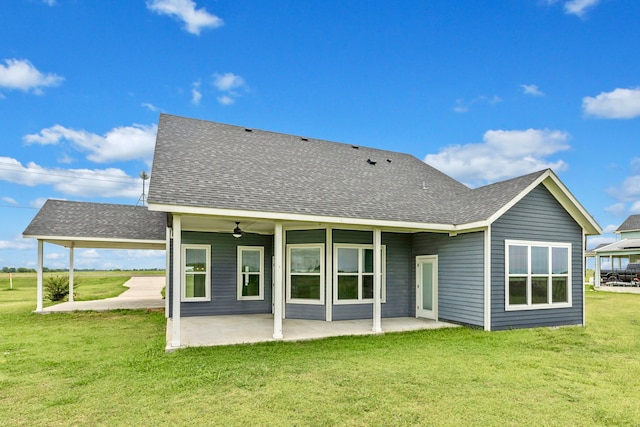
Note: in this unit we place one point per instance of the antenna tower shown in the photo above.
(143, 199)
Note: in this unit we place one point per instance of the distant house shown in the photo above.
(262, 222)
(617, 255)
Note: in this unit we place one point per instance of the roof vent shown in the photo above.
(371, 162)
(355, 146)
(302, 138)
(248, 130)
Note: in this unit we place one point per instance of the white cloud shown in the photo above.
(195, 20)
(110, 182)
(9, 200)
(626, 193)
(579, 7)
(463, 106)
(55, 256)
(503, 154)
(227, 81)
(89, 253)
(225, 100)
(38, 203)
(18, 243)
(610, 229)
(20, 74)
(150, 106)
(531, 90)
(229, 84)
(618, 104)
(196, 95)
(617, 209)
(119, 144)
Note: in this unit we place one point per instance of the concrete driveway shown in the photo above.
(143, 292)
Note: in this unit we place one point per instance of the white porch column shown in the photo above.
(278, 276)
(71, 273)
(328, 272)
(377, 280)
(176, 289)
(596, 273)
(39, 276)
(167, 272)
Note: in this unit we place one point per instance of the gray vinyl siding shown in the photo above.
(460, 274)
(305, 311)
(537, 217)
(398, 278)
(224, 275)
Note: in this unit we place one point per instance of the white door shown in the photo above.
(427, 287)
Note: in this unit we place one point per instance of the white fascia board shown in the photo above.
(571, 204)
(110, 242)
(562, 195)
(279, 216)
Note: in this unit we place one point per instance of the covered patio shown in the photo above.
(93, 225)
(199, 331)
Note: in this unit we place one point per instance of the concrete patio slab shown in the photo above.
(143, 292)
(199, 331)
(620, 288)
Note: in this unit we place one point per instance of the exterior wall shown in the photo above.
(460, 274)
(629, 235)
(537, 217)
(224, 275)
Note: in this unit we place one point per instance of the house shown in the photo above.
(262, 222)
(615, 256)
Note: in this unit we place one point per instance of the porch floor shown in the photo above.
(200, 331)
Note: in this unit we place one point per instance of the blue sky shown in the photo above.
(482, 90)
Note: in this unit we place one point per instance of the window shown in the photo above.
(353, 280)
(538, 275)
(250, 273)
(196, 265)
(305, 274)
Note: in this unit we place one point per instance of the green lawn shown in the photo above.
(111, 369)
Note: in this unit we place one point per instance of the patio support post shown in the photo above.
(278, 250)
(71, 272)
(177, 281)
(596, 274)
(167, 272)
(39, 276)
(377, 280)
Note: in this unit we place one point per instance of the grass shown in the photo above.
(110, 369)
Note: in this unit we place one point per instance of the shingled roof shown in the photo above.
(630, 224)
(202, 166)
(98, 225)
(212, 165)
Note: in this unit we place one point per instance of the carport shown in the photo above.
(96, 226)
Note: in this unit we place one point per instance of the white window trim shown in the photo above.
(360, 300)
(291, 300)
(529, 275)
(241, 273)
(207, 273)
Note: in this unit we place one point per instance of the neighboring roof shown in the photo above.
(206, 165)
(630, 224)
(620, 245)
(98, 225)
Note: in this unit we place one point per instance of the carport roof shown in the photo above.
(98, 225)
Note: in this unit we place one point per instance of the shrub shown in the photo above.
(57, 287)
